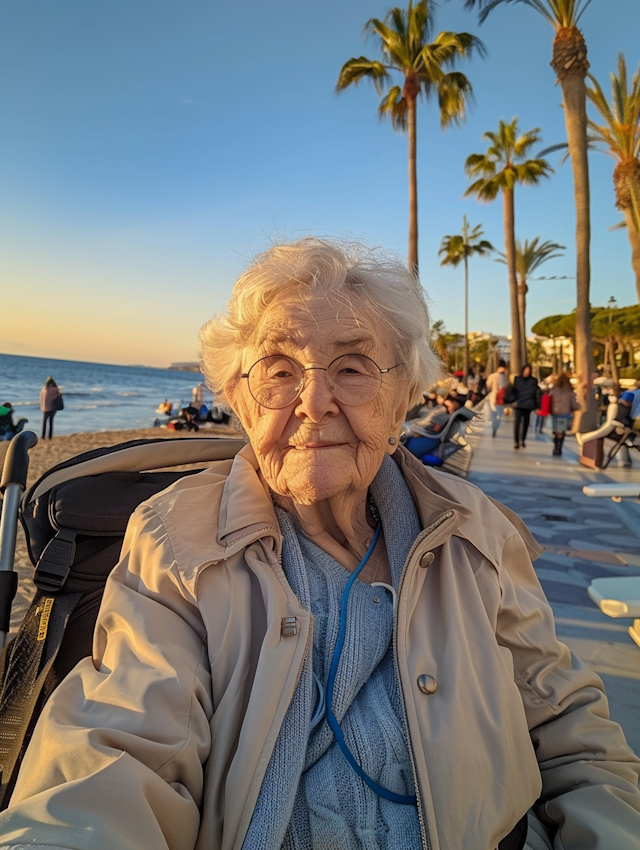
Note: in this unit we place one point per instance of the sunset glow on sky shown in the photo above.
(149, 149)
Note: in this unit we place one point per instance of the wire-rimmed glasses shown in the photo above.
(276, 381)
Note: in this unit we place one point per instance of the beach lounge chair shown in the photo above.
(74, 518)
(617, 596)
(592, 444)
(448, 441)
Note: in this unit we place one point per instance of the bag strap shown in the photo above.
(24, 666)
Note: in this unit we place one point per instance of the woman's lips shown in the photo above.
(320, 444)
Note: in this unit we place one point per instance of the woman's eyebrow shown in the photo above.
(291, 338)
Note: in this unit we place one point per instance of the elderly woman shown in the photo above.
(322, 644)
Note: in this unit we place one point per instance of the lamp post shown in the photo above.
(554, 359)
(612, 304)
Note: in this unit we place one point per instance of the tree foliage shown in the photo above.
(414, 63)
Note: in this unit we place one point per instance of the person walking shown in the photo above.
(545, 408)
(50, 397)
(563, 404)
(526, 398)
(497, 384)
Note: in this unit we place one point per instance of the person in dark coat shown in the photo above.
(527, 396)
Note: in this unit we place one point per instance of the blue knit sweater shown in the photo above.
(311, 799)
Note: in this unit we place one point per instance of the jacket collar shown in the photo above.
(246, 508)
(247, 512)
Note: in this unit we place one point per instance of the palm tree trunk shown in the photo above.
(522, 310)
(413, 186)
(508, 216)
(571, 74)
(466, 320)
(634, 241)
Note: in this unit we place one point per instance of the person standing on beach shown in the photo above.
(49, 405)
(497, 383)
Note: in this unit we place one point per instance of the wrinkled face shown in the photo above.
(316, 447)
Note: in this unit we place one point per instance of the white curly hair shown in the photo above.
(354, 275)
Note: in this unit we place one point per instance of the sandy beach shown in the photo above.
(47, 454)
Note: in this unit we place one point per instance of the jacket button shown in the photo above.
(427, 684)
(427, 559)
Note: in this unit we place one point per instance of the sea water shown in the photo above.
(97, 396)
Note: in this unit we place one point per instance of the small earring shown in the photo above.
(392, 441)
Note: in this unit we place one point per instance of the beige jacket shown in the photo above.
(163, 741)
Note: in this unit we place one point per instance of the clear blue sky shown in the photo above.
(149, 148)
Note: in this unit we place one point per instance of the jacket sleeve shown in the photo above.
(590, 799)
(116, 759)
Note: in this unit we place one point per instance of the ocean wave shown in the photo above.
(94, 405)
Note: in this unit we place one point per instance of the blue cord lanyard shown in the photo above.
(331, 718)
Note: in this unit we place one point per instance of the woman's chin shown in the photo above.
(317, 482)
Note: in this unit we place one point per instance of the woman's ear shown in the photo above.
(398, 419)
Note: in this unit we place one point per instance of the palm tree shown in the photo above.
(404, 41)
(498, 170)
(456, 249)
(528, 258)
(569, 61)
(619, 136)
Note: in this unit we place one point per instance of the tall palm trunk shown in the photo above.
(508, 216)
(466, 321)
(634, 241)
(571, 65)
(413, 186)
(626, 182)
(522, 310)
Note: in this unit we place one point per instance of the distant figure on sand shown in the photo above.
(497, 383)
(9, 428)
(563, 405)
(197, 395)
(50, 397)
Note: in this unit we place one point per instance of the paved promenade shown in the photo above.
(585, 538)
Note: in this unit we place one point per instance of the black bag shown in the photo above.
(510, 395)
(74, 520)
(58, 402)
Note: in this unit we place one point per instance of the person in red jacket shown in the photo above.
(544, 410)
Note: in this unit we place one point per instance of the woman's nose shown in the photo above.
(316, 399)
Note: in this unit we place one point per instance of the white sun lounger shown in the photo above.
(618, 597)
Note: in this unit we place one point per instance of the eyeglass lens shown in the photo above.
(277, 381)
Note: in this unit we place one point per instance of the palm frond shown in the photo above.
(454, 92)
(504, 164)
(559, 13)
(529, 173)
(620, 132)
(464, 245)
(394, 106)
(486, 189)
(360, 68)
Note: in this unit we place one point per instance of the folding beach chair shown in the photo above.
(74, 518)
(447, 442)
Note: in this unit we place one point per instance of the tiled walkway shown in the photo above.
(585, 538)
